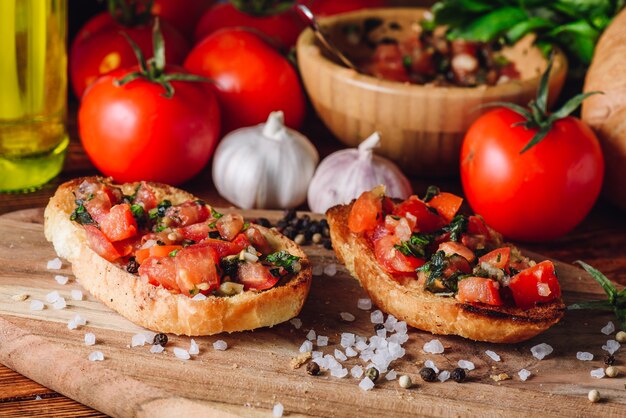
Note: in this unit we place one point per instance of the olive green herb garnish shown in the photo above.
(138, 212)
(616, 301)
(173, 253)
(159, 211)
(416, 245)
(215, 214)
(431, 192)
(81, 215)
(283, 259)
(457, 227)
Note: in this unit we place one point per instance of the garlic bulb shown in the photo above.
(264, 166)
(345, 174)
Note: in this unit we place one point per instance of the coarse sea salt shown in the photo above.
(76, 294)
(199, 296)
(54, 264)
(356, 372)
(90, 338)
(366, 384)
(493, 355)
(347, 316)
(193, 348)
(316, 354)
(541, 350)
(138, 340)
(390, 322)
(296, 322)
(59, 304)
(524, 374)
(52, 296)
(598, 373)
(584, 356)
(400, 327)
(71, 324)
(339, 372)
(156, 349)
(80, 320)
(443, 376)
(466, 364)
(377, 317)
(391, 375)
(431, 364)
(364, 304)
(611, 346)
(306, 346)
(330, 269)
(311, 335)
(220, 345)
(347, 339)
(340, 356)
(433, 347)
(181, 353)
(36, 305)
(96, 356)
(61, 279)
(608, 328)
(322, 341)
(278, 410)
(350, 352)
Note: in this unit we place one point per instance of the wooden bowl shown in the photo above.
(422, 126)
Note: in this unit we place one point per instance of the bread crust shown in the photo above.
(155, 307)
(409, 302)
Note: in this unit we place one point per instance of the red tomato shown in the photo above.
(447, 204)
(99, 243)
(99, 48)
(426, 220)
(392, 259)
(479, 290)
(333, 7)
(534, 285)
(155, 251)
(159, 271)
(223, 248)
(255, 276)
(451, 248)
(282, 28)
(119, 224)
(145, 197)
(388, 64)
(538, 195)
(251, 78)
(366, 213)
(188, 213)
(196, 232)
(98, 205)
(229, 225)
(258, 241)
(196, 269)
(498, 258)
(184, 17)
(132, 132)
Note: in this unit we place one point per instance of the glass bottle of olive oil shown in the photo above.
(33, 92)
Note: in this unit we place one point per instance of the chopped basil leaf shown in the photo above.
(457, 227)
(159, 211)
(174, 252)
(216, 214)
(246, 225)
(192, 291)
(416, 246)
(431, 192)
(160, 228)
(138, 212)
(81, 215)
(283, 259)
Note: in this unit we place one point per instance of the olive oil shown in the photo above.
(33, 92)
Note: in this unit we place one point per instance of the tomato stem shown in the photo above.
(262, 8)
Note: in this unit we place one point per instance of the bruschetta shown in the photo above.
(170, 262)
(443, 272)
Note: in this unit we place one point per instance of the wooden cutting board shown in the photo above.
(254, 373)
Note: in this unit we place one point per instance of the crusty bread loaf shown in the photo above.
(408, 301)
(157, 308)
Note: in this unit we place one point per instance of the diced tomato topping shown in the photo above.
(388, 63)
(187, 213)
(377, 233)
(196, 232)
(98, 205)
(534, 285)
(255, 276)
(476, 226)
(498, 258)
(127, 246)
(392, 259)
(223, 248)
(447, 204)
(258, 241)
(99, 243)
(400, 227)
(119, 223)
(155, 251)
(196, 269)
(451, 247)
(479, 290)
(425, 219)
(456, 263)
(145, 197)
(159, 271)
(367, 211)
(229, 225)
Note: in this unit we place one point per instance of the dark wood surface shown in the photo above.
(600, 240)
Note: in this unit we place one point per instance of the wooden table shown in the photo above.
(600, 241)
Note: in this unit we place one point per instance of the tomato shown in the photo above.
(99, 243)
(538, 195)
(183, 16)
(447, 205)
(426, 220)
(333, 7)
(119, 224)
(229, 225)
(479, 290)
(145, 197)
(451, 248)
(99, 48)
(283, 27)
(159, 271)
(132, 132)
(258, 241)
(196, 270)
(392, 259)
(498, 258)
(187, 213)
(366, 212)
(98, 205)
(400, 227)
(223, 248)
(255, 276)
(250, 77)
(196, 232)
(388, 64)
(155, 251)
(536, 284)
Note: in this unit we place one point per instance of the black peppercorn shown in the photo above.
(372, 373)
(609, 359)
(427, 374)
(264, 222)
(132, 266)
(289, 214)
(313, 368)
(281, 224)
(458, 375)
(160, 339)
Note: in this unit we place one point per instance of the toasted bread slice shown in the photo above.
(156, 308)
(408, 301)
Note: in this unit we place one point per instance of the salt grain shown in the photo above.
(433, 347)
(347, 339)
(322, 341)
(391, 375)
(96, 356)
(61, 279)
(608, 328)
(220, 345)
(310, 335)
(76, 294)
(199, 296)
(347, 316)
(611, 346)
(524, 374)
(193, 348)
(90, 338)
(306, 346)
(584, 356)
(156, 349)
(350, 352)
(340, 356)
(37, 398)
(278, 410)
(390, 322)
(181, 353)
(376, 317)
(465, 364)
(54, 264)
(541, 350)
(431, 364)
(366, 384)
(598, 373)
(330, 269)
(364, 304)
(443, 376)
(80, 320)
(356, 372)
(400, 327)
(339, 372)
(71, 324)
(36, 305)
(138, 340)
(52, 297)
(493, 355)
(318, 270)
(60, 304)
(296, 322)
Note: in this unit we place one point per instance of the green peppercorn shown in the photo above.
(372, 374)
(160, 339)
(458, 375)
(428, 375)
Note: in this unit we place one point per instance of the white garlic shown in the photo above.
(267, 166)
(345, 174)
